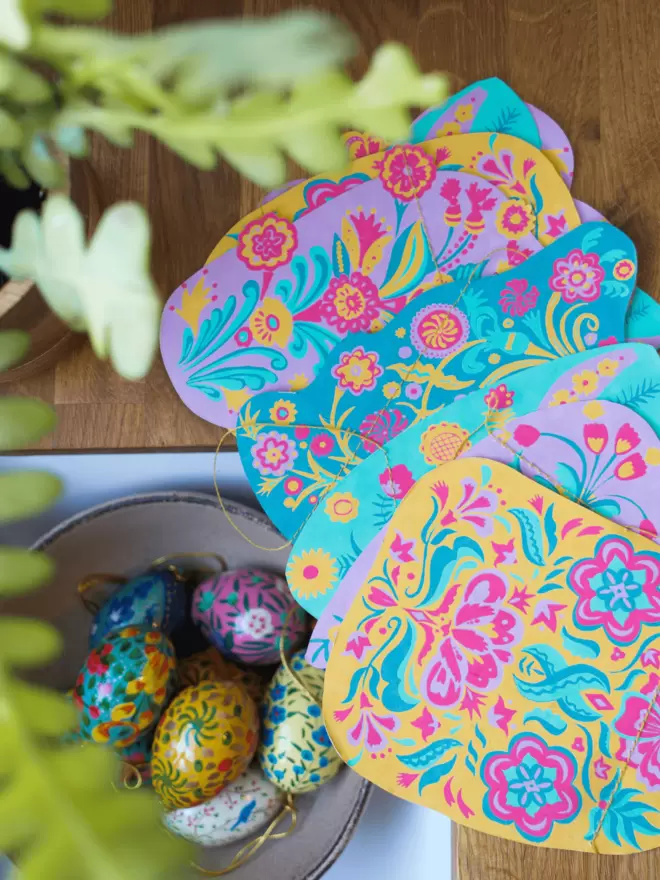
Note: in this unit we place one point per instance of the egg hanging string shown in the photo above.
(93, 580)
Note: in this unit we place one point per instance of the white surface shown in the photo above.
(394, 840)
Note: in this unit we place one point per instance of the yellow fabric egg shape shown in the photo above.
(205, 739)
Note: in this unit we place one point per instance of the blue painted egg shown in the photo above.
(156, 599)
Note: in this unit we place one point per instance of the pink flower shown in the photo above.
(382, 426)
(526, 435)
(371, 729)
(381, 598)
(618, 590)
(517, 298)
(630, 468)
(350, 304)
(626, 440)
(601, 768)
(426, 724)
(578, 276)
(361, 145)
(556, 225)
(531, 785)
(651, 657)
(476, 643)
(357, 370)
(357, 645)
(499, 398)
(396, 481)
(273, 454)
(595, 437)
(405, 780)
(318, 192)
(500, 716)
(322, 445)
(267, 242)
(104, 689)
(476, 506)
(406, 172)
(402, 549)
(639, 726)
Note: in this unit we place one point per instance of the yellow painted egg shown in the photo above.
(210, 665)
(295, 752)
(205, 739)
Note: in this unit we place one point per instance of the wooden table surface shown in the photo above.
(594, 65)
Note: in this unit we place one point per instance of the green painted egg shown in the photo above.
(295, 752)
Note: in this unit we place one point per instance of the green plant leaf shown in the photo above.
(24, 421)
(27, 643)
(14, 345)
(26, 493)
(22, 570)
(14, 27)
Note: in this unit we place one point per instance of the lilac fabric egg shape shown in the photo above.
(243, 613)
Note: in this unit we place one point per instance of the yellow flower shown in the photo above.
(357, 370)
(652, 456)
(514, 219)
(560, 397)
(283, 412)
(267, 242)
(400, 332)
(312, 573)
(391, 390)
(236, 399)
(585, 382)
(272, 323)
(593, 409)
(607, 367)
(624, 270)
(443, 442)
(376, 325)
(464, 113)
(448, 128)
(298, 382)
(342, 507)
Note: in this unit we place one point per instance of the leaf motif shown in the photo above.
(550, 527)
(532, 535)
(374, 254)
(435, 774)
(410, 262)
(429, 755)
(579, 647)
(548, 720)
(350, 241)
(395, 697)
(341, 261)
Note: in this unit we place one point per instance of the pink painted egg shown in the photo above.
(243, 613)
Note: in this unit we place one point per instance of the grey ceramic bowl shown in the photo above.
(124, 537)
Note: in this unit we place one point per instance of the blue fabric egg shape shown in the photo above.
(156, 599)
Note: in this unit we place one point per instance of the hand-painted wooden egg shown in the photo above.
(210, 665)
(136, 761)
(155, 599)
(205, 739)
(295, 752)
(238, 811)
(124, 685)
(243, 613)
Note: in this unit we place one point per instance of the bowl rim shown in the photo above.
(234, 508)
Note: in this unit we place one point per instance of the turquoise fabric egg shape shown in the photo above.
(124, 685)
(155, 599)
(243, 613)
(295, 752)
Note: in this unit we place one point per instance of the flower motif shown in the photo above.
(585, 382)
(273, 454)
(381, 427)
(257, 622)
(608, 367)
(499, 398)
(630, 468)
(639, 727)
(448, 129)
(298, 381)
(357, 370)
(413, 390)
(595, 437)
(278, 692)
(438, 330)
(342, 507)
(531, 786)
(626, 440)
(396, 481)
(319, 191)
(283, 412)
(371, 729)
(623, 270)
(464, 112)
(292, 485)
(357, 645)
(322, 445)
(526, 435)
(561, 397)
(271, 323)
(320, 735)
(618, 590)
(601, 768)
(426, 724)
(267, 242)
(350, 304)
(361, 145)
(514, 219)
(443, 442)
(406, 172)
(517, 298)
(392, 390)
(578, 276)
(477, 642)
(277, 714)
(312, 573)
(476, 506)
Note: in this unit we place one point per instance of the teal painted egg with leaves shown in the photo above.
(124, 686)
(155, 599)
(205, 739)
(244, 614)
(295, 753)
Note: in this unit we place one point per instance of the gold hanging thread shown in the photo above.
(93, 580)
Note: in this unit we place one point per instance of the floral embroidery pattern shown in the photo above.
(438, 331)
(342, 507)
(518, 297)
(532, 786)
(272, 323)
(406, 172)
(442, 442)
(515, 219)
(578, 276)
(351, 305)
(267, 242)
(312, 573)
(274, 454)
(638, 726)
(357, 370)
